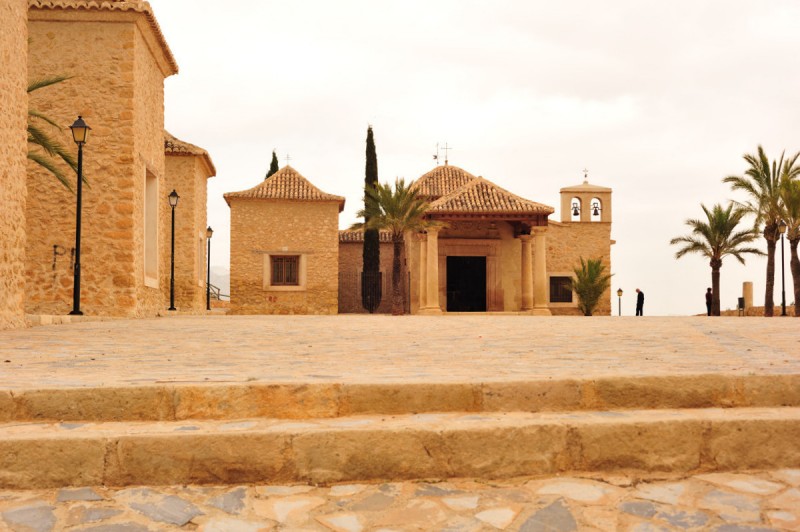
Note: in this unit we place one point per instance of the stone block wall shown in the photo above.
(261, 227)
(13, 147)
(187, 175)
(117, 86)
(566, 244)
(351, 264)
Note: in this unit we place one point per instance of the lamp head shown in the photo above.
(209, 232)
(79, 131)
(782, 227)
(173, 198)
(619, 292)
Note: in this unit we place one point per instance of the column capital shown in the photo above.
(539, 229)
(525, 238)
(434, 229)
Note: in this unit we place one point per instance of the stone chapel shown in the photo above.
(496, 251)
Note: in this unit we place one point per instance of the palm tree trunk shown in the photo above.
(769, 302)
(794, 265)
(398, 303)
(715, 266)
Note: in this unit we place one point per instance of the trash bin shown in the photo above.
(740, 306)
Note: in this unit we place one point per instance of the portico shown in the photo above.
(494, 239)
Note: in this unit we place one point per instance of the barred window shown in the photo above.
(285, 270)
(560, 290)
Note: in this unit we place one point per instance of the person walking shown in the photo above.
(709, 299)
(639, 303)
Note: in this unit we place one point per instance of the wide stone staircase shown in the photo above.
(326, 433)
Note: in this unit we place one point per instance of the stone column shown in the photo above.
(423, 270)
(540, 272)
(432, 274)
(13, 149)
(527, 274)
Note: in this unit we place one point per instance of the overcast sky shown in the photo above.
(659, 100)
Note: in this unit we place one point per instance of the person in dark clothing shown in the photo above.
(709, 299)
(639, 303)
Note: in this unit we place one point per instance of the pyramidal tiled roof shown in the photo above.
(175, 146)
(441, 181)
(482, 196)
(137, 6)
(285, 184)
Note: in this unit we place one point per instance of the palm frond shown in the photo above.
(46, 82)
(50, 167)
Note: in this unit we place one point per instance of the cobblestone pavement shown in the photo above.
(280, 349)
(730, 502)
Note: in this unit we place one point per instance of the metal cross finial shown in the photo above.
(585, 175)
(288, 158)
(446, 149)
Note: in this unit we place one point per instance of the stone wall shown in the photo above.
(566, 244)
(187, 175)
(308, 229)
(117, 86)
(351, 264)
(13, 113)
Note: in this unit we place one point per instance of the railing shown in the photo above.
(216, 293)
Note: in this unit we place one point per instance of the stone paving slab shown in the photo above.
(385, 349)
(741, 502)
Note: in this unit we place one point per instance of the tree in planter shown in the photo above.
(43, 149)
(398, 210)
(273, 166)
(761, 182)
(790, 194)
(715, 238)
(371, 253)
(589, 284)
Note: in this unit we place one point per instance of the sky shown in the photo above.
(657, 100)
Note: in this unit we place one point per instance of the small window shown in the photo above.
(561, 290)
(285, 270)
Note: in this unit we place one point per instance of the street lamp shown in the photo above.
(782, 230)
(79, 133)
(209, 232)
(619, 295)
(173, 202)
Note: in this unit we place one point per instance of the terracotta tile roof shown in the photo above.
(482, 196)
(137, 6)
(285, 184)
(441, 181)
(357, 235)
(175, 146)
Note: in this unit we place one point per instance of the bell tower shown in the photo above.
(586, 202)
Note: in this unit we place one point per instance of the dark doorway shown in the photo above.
(466, 284)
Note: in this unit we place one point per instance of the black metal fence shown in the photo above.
(352, 298)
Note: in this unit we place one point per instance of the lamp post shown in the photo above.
(173, 202)
(619, 295)
(79, 132)
(209, 232)
(782, 230)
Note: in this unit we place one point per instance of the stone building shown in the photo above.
(13, 112)
(187, 169)
(497, 252)
(117, 60)
(284, 247)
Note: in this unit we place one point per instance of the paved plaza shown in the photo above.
(723, 502)
(385, 349)
(489, 350)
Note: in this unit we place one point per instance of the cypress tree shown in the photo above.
(371, 276)
(273, 166)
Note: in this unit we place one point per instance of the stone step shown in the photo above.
(424, 446)
(175, 401)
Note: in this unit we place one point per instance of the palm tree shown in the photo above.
(790, 194)
(762, 183)
(397, 209)
(715, 238)
(589, 284)
(39, 141)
